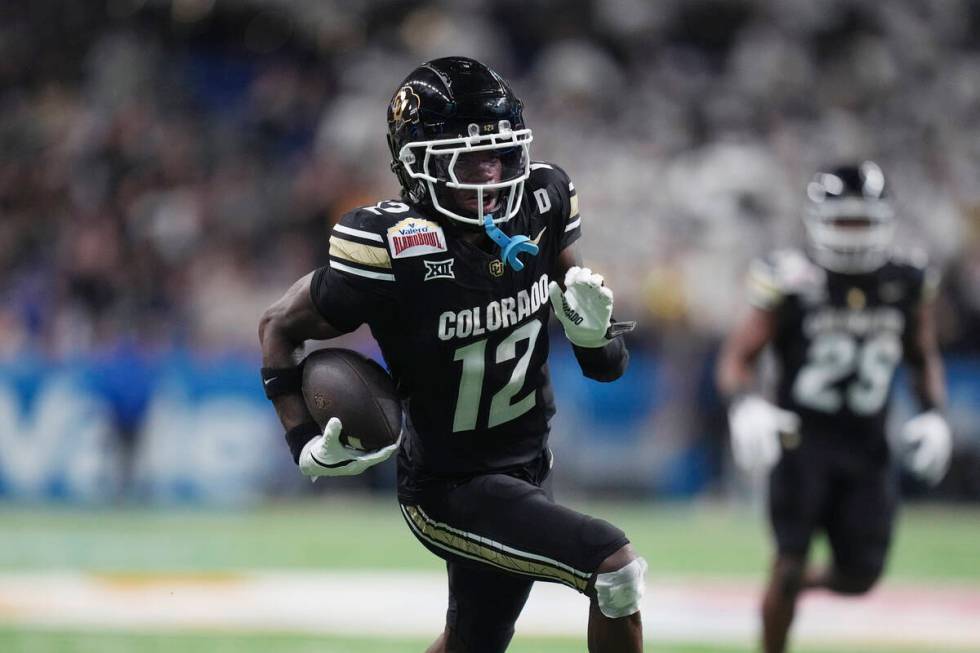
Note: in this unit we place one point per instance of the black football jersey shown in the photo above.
(465, 337)
(839, 338)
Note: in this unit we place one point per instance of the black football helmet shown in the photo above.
(448, 116)
(849, 219)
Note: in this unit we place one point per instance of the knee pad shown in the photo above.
(618, 593)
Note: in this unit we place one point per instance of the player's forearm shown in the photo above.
(278, 349)
(735, 375)
(278, 353)
(926, 363)
(603, 364)
(283, 329)
(928, 382)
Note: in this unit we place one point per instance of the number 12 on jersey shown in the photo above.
(473, 356)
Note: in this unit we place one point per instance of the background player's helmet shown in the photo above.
(848, 218)
(443, 116)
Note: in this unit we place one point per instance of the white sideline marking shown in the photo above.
(413, 604)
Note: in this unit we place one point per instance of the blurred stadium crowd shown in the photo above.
(169, 167)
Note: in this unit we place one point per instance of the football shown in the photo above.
(359, 392)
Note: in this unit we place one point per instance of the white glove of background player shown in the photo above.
(324, 455)
(584, 309)
(755, 426)
(927, 444)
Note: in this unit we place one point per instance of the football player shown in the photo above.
(839, 317)
(457, 280)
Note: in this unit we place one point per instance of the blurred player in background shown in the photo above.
(840, 317)
(457, 282)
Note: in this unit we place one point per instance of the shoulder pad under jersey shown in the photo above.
(552, 192)
(782, 273)
(360, 241)
(913, 266)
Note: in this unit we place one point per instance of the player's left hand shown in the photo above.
(927, 446)
(584, 309)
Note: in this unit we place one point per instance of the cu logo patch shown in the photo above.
(497, 267)
(404, 107)
(439, 269)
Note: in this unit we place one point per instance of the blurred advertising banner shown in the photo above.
(171, 429)
(184, 428)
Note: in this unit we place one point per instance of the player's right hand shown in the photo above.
(928, 446)
(324, 455)
(755, 426)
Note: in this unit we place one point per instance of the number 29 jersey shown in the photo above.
(839, 338)
(465, 336)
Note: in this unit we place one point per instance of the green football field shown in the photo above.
(934, 547)
(26, 641)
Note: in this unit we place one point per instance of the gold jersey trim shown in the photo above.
(364, 254)
(482, 549)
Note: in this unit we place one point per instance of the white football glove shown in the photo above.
(927, 446)
(755, 426)
(324, 455)
(584, 309)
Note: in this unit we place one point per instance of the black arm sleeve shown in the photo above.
(603, 364)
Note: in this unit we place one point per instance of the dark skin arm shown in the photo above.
(924, 362)
(735, 372)
(567, 258)
(283, 329)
